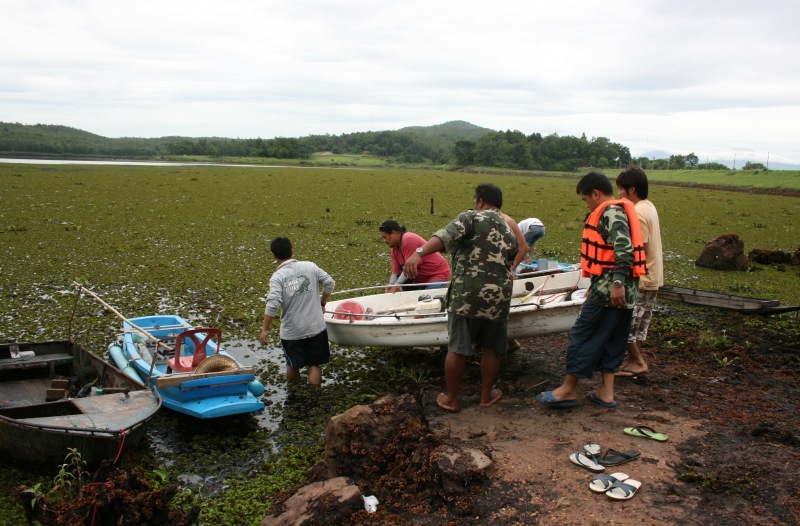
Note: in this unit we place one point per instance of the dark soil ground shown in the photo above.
(723, 386)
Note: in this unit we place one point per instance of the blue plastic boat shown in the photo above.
(187, 367)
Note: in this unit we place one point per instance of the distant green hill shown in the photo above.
(418, 144)
(58, 141)
(451, 130)
(454, 143)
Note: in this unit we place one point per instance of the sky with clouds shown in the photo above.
(716, 78)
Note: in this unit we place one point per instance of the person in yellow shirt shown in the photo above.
(632, 185)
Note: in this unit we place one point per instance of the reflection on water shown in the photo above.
(151, 163)
(253, 354)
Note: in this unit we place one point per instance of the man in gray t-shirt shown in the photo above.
(294, 290)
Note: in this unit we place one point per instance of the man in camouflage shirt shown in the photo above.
(479, 296)
(599, 337)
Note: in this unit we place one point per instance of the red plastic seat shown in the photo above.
(188, 363)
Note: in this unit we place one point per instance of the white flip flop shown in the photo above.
(602, 482)
(587, 462)
(593, 449)
(624, 490)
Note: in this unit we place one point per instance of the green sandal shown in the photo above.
(645, 432)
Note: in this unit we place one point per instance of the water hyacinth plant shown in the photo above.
(193, 241)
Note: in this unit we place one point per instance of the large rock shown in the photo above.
(724, 253)
(327, 502)
(387, 446)
(355, 440)
(769, 257)
(459, 467)
(775, 257)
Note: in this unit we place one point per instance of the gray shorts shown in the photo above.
(467, 334)
(642, 315)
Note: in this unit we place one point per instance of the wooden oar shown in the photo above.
(396, 310)
(546, 292)
(129, 322)
(123, 318)
(525, 295)
(406, 309)
(376, 287)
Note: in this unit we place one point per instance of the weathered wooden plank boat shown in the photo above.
(544, 302)
(188, 367)
(724, 301)
(51, 401)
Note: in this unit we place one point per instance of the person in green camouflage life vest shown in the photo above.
(483, 249)
(612, 254)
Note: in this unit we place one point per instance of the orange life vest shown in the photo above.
(597, 254)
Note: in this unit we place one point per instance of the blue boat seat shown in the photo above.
(188, 363)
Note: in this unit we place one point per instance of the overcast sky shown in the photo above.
(718, 78)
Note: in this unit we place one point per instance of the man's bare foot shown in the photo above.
(442, 402)
(513, 345)
(494, 396)
(630, 373)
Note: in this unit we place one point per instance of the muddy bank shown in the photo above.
(724, 387)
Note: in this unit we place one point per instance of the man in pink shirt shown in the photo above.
(433, 269)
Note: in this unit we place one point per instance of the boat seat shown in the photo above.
(31, 362)
(188, 363)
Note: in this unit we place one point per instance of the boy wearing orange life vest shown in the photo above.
(612, 255)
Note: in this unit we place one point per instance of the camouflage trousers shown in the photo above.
(642, 315)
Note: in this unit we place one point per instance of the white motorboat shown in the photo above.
(544, 302)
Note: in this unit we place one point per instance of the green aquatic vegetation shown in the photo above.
(194, 241)
(709, 338)
(158, 477)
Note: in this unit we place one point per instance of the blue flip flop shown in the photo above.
(596, 399)
(548, 400)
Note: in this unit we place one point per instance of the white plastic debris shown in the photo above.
(371, 504)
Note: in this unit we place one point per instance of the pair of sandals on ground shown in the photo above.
(618, 486)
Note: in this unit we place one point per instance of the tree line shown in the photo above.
(455, 143)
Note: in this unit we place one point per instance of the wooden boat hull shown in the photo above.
(36, 434)
(200, 395)
(543, 304)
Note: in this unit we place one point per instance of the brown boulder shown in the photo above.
(387, 446)
(769, 257)
(327, 502)
(355, 439)
(724, 253)
(459, 467)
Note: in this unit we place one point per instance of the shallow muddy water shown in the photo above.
(206, 452)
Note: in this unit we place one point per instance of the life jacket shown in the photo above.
(597, 254)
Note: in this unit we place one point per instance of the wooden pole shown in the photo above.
(123, 318)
